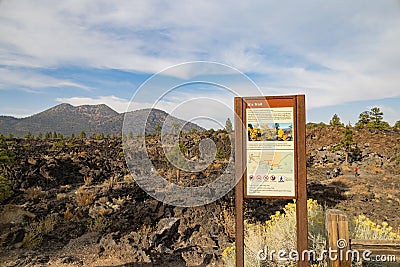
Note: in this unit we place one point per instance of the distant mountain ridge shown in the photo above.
(92, 119)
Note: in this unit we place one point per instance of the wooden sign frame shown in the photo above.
(242, 104)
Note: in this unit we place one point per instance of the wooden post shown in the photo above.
(301, 203)
(239, 189)
(377, 247)
(337, 228)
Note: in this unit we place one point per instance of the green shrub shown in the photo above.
(220, 154)
(6, 156)
(99, 224)
(176, 157)
(58, 145)
(337, 148)
(5, 189)
(397, 159)
(35, 231)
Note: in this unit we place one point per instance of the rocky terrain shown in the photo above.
(375, 193)
(75, 203)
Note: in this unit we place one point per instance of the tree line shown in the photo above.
(371, 119)
(58, 136)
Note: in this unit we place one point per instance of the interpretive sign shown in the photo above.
(270, 159)
(270, 151)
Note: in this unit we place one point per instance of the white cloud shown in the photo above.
(335, 51)
(31, 81)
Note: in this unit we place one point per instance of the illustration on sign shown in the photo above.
(270, 151)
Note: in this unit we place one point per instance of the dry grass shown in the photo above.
(360, 189)
(35, 231)
(69, 216)
(111, 183)
(374, 168)
(61, 196)
(344, 181)
(87, 180)
(84, 197)
(34, 193)
(128, 178)
(227, 220)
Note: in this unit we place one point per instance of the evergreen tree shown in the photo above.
(29, 136)
(397, 125)
(158, 128)
(335, 121)
(363, 120)
(377, 121)
(99, 136)
(228, 125)
(348, 142)
(372, 119)
(40, 136)
(82, 135)
(47, 136)
(376, 115)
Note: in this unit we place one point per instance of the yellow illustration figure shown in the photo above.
(254, 134)
(281, 133)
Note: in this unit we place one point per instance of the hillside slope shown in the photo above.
(91, 119)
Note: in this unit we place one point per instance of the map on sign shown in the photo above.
(260, 162)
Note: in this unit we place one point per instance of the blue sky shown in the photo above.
(343, 55)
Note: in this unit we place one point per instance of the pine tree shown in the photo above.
(47, 136)
(29, 136)
(228, 125)
(158, 128)
(335, 121)
(348, 142)
(376, 120)
(363, 120)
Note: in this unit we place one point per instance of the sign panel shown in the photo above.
(270, 149)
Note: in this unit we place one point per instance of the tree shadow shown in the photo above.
(327, 195)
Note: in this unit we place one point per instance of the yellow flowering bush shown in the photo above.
(364, 228)
(279, 233)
